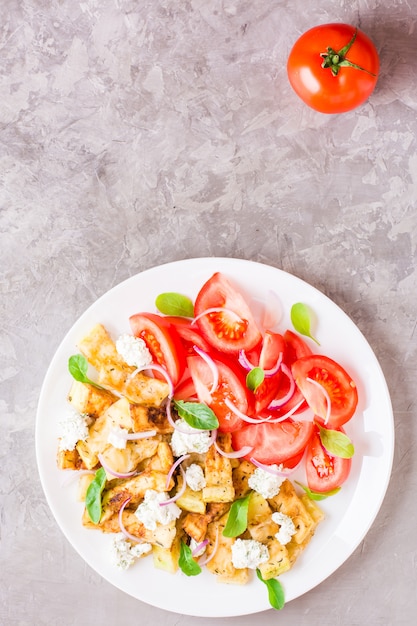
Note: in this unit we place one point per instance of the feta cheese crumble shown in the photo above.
(266, 483)
(124, 554)
(248, 553)
(73, 428)
(287, 528)
(192, 440)
(133, 350)
(151, 513)
(117, 437)
(194, 477)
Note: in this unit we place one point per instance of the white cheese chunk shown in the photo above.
(117, 437)
(194, 477)
(73, 428)
(133, 350)
(150, 512)
(124, 554)
(266, 483)
(191, 440)
(248, 553)
(287, 528)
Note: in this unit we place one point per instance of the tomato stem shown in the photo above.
(335, 60)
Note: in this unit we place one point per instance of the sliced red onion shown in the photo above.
(135, 436)
(157, 368)
(112, 472)
(173, 468)
(199, 547)
(179, 493)
(244, 361)
(212, 365)
(273, 310)
(275, 404)
(243, 416)
(216, 309)
(122, 526)
(277, 366)
(206, 559)
(213, 437)
(236, 454)
(272, 470)
(286, 415)
(326, 395)
(72, 475)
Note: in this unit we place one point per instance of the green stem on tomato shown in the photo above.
(335, 60)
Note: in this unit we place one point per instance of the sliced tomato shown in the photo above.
(162, 342)
(272, 351)
(339, 386)
(324, 472)
(274, 443)
(189, 334)
(230, 326)
(295, 347)
(185, 390)
(230, 386)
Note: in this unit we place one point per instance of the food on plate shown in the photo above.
(333, 68)
(188, 433)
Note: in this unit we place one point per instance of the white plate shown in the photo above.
(349, 515)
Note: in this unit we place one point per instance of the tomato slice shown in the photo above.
(231, 329)
(189, 334)
(272, 350)
(324, 472)
(229, 386)
(185, 390)
(162, 341)
(274, 443)
(335, 380)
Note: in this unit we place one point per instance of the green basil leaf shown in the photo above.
(255, 378)
(316, 495)
(174, 304)
(337, 443)
(276, 594)
(237, 521)
(93, 495)
(78, 366)
(301, 320)
(197, 414)
(187, 563)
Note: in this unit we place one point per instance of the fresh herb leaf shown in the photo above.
(301, 320)
(276, 594)
(255, 378)
(197, 414)
(174, 304)
(187, 563)
(78, 366)
(237, 521)
(316, 495)
(93, 495)
(337, 443)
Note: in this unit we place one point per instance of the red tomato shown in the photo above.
(272, 349)
(230, 330)
(320, 67)
(230, 386)
(185, 390)
(335, 380)
(162, 341)
(274, 443)
(189, 334)
(324, 472)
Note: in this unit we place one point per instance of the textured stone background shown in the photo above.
(134, 133)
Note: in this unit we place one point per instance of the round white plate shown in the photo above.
(349, 514)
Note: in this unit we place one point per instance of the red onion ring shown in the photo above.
(179, 493)
(216, 309)
(273, 310)
(112, 472)
(243, 417)
(122, 526)
(199, 546)
(275, 404)
(244, 361)
(326, 395)
(237, 454)
(286, 415)
(135, 436)
(212, 365)
(173, 468)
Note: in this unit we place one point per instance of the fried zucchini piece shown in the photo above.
(84, 482)
(219, 483)
(278, 561)
(150, 418)
(221, 563)
(89, 400)
(241, 475)
(69, 460)
(167, 558)
(288, 502)
(135, 489)
(196, 524)
(191, 501)
(100, 351)
(260, 525)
